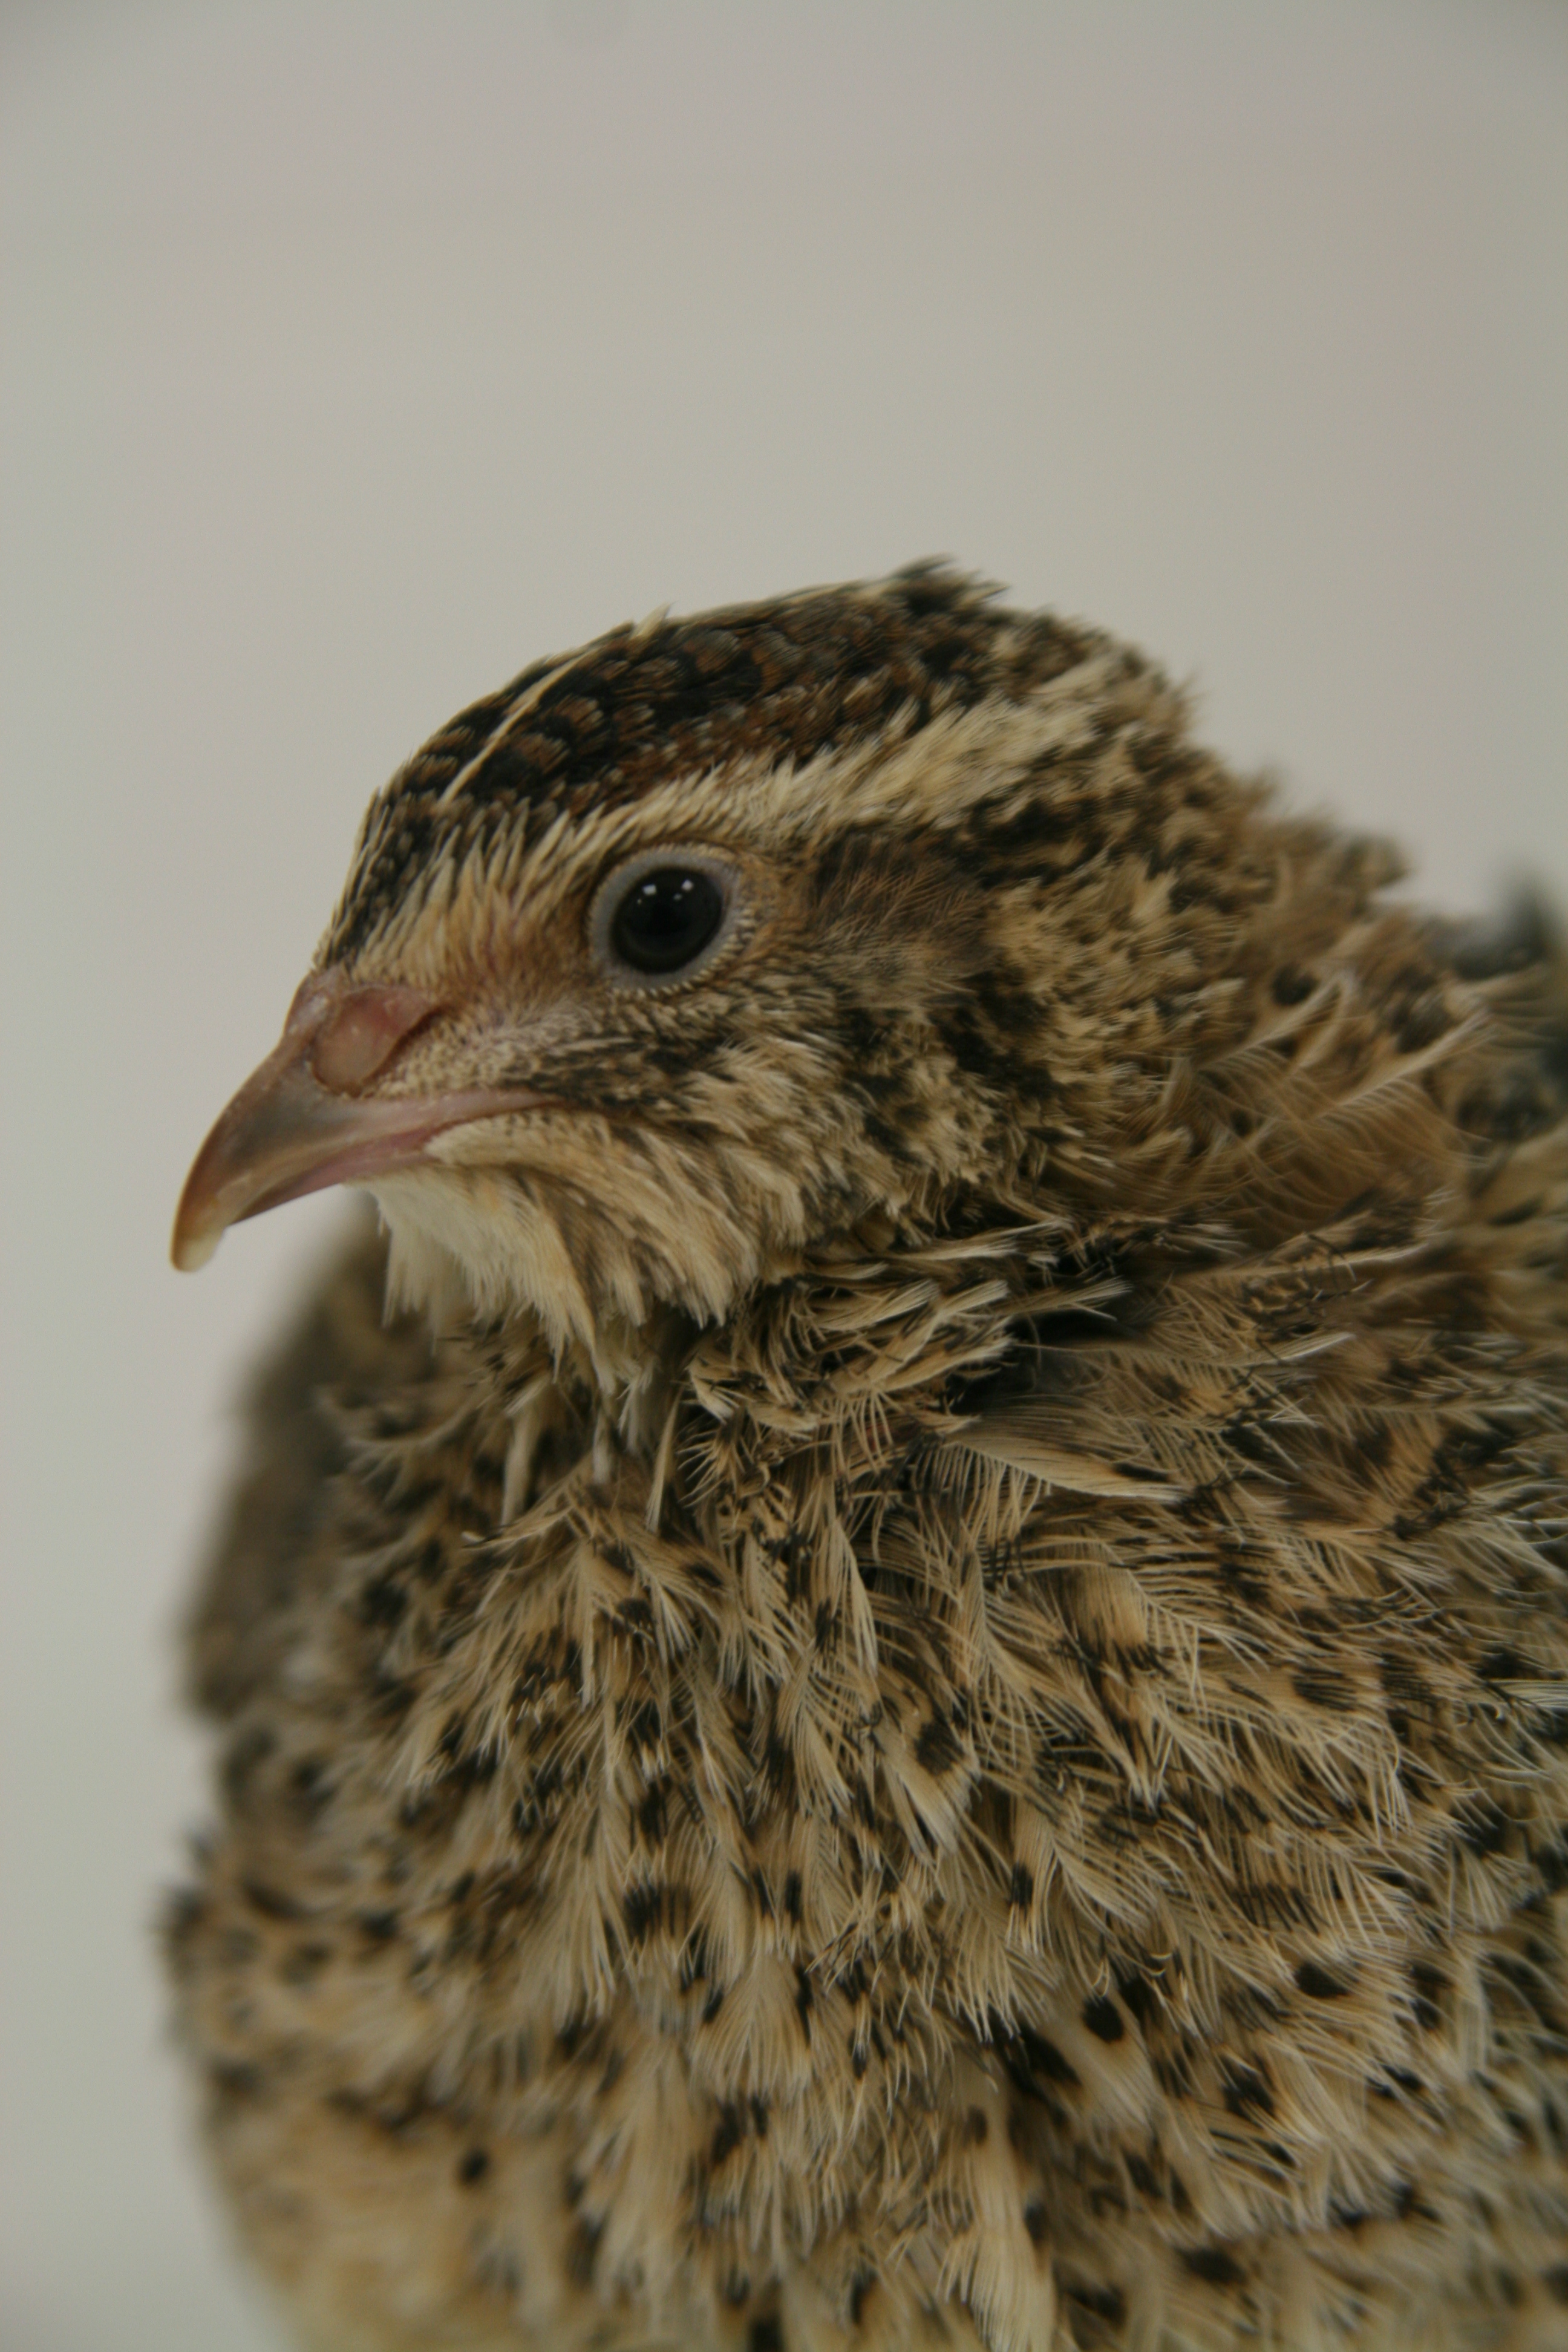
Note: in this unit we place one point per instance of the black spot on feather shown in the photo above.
(1317, 1982)
(1032, 2060)
(937, 1747)
(1245, 2090)
(1213, 2266)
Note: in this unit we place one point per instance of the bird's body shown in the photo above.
(922, 1699)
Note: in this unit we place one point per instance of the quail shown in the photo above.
(891, 1663)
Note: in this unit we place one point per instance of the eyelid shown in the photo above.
(625, 877)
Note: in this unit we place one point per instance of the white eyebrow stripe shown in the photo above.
(525, 702)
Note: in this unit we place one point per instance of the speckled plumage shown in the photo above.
(920, 1697)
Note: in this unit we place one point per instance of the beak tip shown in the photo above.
(191, 1248)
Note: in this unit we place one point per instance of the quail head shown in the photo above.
(914, 1692)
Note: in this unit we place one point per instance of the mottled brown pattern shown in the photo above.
(937, 1713)
(787, 681)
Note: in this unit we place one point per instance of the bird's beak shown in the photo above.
(299, 1122)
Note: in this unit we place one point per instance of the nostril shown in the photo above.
(359, 1033)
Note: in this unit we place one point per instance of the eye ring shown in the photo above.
(661, 918)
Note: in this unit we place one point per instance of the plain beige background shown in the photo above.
(356, 353)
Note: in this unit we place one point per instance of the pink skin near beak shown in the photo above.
(295, 1125)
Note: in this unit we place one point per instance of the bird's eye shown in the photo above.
(663, 915)
(666, 919)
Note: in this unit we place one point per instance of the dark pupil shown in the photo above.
(667, 919)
